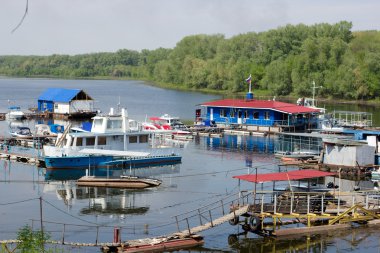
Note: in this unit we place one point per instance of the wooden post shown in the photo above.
(176, 219)
(222, 207)
(322, 204)
(308, 203)
(97, 235)
(275, 204)
(200, 217)
(188, 226)
(63, 233)
(209, 211)
(42, 227)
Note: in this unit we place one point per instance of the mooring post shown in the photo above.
(322, 204)
(291, 203)
(200, 217)
(116, 235)
(188, 226)
(275, 204)
(97, 235)
(176, 219)
(222, 207)
(63, 233)
(209, 211)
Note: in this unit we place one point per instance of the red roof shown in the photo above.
(284, 176)
(261, 104)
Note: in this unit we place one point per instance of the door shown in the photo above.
(240, 117)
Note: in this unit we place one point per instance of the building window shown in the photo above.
(255, 115)
(143, 138)
(266, 115)
(55, 106)
(246, 114)
(223, 113)
(132, 139)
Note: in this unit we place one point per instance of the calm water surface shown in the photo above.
(205, 176)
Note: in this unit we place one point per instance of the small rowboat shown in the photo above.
(129, 182)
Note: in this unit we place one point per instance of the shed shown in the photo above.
(347, 153)
(65, 101)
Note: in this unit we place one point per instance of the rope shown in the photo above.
(17, 202)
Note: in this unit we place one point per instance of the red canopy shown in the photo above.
(284, 176)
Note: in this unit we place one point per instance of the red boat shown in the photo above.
(158, 244)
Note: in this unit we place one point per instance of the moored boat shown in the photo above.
(113, 142)
(126, 182)
(15, 113)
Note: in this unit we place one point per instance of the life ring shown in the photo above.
(255, 223)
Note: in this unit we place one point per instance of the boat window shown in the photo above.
(266, 115)
(223, 113)
(232, 113)
(79, 141)
(98, 122)
(143, 138)
(132, 139)
(114, 124)
(55, 106)
(246, 114)
(102, 140)
(90, 141)
(256, 115)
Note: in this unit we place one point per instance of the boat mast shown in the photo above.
(314, 87)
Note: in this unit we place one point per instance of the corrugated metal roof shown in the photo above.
(284, 176)
(59, 95)
(261, 104)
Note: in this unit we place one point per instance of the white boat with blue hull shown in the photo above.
(110, 159)
(114, 142)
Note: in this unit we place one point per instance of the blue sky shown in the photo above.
(87, 26)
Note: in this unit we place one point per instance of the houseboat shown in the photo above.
(260, 115)
(66, 103)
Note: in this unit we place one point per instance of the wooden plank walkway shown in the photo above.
(242, 210)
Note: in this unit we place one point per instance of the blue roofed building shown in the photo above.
(66, 101)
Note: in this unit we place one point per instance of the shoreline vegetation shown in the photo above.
(283, 63)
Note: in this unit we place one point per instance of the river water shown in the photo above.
(203, 177)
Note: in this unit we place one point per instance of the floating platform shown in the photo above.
(125, 182)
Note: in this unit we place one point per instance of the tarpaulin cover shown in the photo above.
(283, 176)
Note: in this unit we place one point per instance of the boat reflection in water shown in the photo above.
(101, 201)
(74, 174)
(259, 144)
(347, 239)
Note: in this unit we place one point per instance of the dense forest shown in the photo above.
(281, 61)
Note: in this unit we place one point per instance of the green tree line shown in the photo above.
(282, 61)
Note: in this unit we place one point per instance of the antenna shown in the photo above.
(118, 106)
(314, 87)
